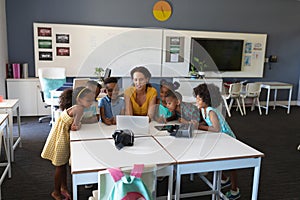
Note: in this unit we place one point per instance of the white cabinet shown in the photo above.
(28, 93)
(187, 85)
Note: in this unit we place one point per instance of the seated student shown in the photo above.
(208, 96)
(91, 114)
(111, 105)
(163, 114)
(185, 112)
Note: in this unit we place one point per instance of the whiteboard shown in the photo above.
(82, 48)
(254, 67)
(117, 48)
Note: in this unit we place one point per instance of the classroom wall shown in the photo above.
(277, 18)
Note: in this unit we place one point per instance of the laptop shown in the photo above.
(139, 125)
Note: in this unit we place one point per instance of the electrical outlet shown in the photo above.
(266, 60)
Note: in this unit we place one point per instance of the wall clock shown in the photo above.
(162, 10)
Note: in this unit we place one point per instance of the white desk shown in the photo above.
(90, 156)
(277, 86)
(204, 153)
(100, 130)
(6, 165)
(94, 131)
(211, 152)
(9, 106)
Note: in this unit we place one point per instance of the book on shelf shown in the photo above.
(9, 73)
(16, 70)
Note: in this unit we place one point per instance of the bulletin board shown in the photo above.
(80, 48)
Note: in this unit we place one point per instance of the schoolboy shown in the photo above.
(112, 104)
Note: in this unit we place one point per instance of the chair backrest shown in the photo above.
(79, 82)
(106, 182)
(51, 78)
(235, 89)
(253, 89)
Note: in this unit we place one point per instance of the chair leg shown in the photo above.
(258, 104)
(45, 117)
(230, 104)
(253, 104)
(243, 102)
(226, 106)
(239, 105)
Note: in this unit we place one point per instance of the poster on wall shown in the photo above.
(248, 47)
(257, 46)
(247, 61)
(45, 44)
(44, 31)
(63, 51)
(175, 49)
(45, 56)
(63, 38)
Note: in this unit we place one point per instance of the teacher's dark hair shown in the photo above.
(141, 69)
(144, 71)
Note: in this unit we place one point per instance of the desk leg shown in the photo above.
(290, 98)
(7, 150)
(256, 180)
(275, 98)
(216, 185)
(178, 180)
(19, 128)
(74, 187)
(10, 136)
(268, 98)
(170, 185)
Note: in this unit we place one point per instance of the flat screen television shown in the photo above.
(227, 54)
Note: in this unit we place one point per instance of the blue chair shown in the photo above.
(51, 78)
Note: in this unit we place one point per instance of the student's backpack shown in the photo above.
(129, 187)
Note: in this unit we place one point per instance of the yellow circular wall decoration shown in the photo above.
(162, 10)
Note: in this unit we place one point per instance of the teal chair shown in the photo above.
(50, 78)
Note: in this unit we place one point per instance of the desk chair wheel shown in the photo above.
(43, 118)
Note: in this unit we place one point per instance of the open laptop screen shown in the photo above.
(139, 125)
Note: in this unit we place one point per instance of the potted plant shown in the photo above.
(193, 73)
(200, 66)
(99, 72)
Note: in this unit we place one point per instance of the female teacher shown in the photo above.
(140, 98)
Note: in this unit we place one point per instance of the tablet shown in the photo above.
(164, 127)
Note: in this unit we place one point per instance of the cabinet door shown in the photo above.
(187, 85)
(25, 91)
(28, 93)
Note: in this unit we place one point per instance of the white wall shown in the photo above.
(3, 47)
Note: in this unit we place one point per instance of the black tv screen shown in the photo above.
(226, 53)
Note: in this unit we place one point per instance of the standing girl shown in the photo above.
(206, 96)
(57, 146)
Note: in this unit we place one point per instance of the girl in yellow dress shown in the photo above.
(57, 146)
